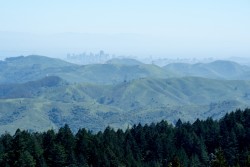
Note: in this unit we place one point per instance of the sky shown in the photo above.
(193, 28)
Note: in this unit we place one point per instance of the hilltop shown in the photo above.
(219, 69)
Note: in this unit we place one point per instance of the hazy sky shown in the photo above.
(149, 27)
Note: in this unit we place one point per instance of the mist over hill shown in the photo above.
(219, 69)
(23, 69)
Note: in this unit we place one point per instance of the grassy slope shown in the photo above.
(142, 100)
(115, 94)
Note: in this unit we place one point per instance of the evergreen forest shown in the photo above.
(203, 143)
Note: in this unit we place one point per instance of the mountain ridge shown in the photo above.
(23, 69)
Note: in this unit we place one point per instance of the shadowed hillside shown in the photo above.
(29, 89)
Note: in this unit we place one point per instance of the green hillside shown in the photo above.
(36, 61)
(38, 93)
(23, 69)
(52, 102)
(217, 70)
(115, 73)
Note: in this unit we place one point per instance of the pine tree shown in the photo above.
(219, 161)
(194, 161)
(57, 156)
(176, 162)
(25, 160)
(65, 138)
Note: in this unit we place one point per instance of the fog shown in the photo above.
(169, 29)
(137, 45)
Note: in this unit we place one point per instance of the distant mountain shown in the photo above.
(218, 70)
(42, 62)
(23, 69)
(116, 73)
(52, 102)
(124, 61)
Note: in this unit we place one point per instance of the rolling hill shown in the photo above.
(39, 93)
(219, 69)
(52, 102)
(23, 69)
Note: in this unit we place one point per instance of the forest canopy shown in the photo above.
(209, 142)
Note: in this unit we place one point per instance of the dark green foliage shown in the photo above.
(219, 160)
(176, 162)
(25, 159)
(205, 143)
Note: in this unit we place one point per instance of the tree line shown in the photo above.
(204, 143)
